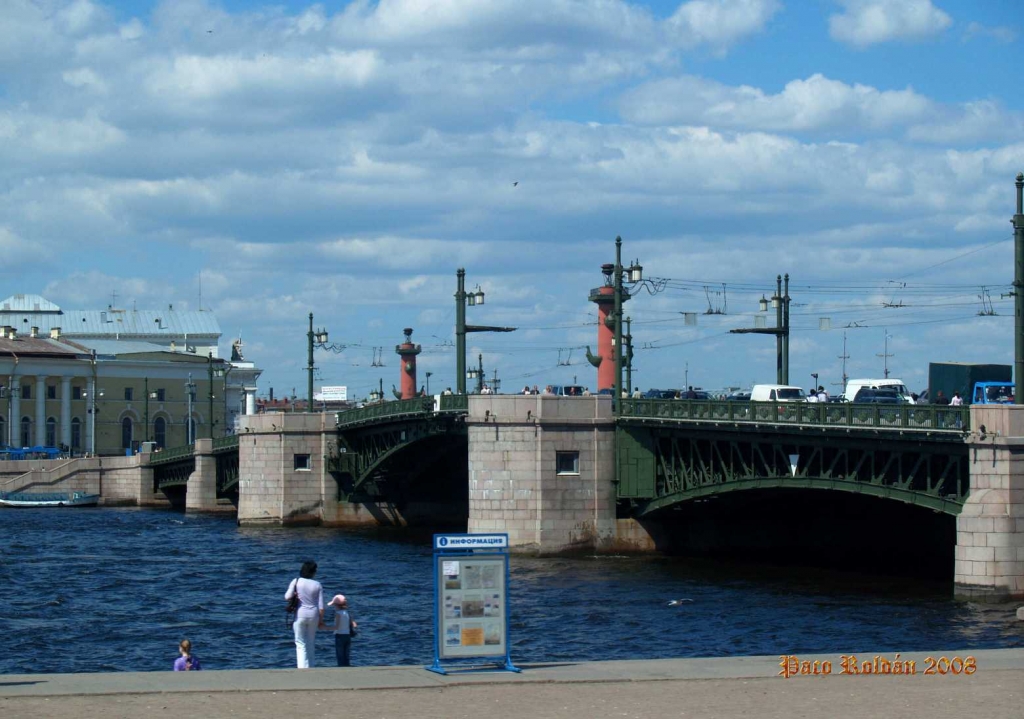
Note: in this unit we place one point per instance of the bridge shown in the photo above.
(558, 473)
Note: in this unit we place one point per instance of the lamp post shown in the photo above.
(317, 339)
(428, 382)
(635, 275)
(780, 301)
(462, 298)
(209, 367)
(145, 391)
(96, 393)
(190, 390)
(1018, 294)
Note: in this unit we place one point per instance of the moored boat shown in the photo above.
(48, 499)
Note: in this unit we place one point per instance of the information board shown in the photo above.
(471, 600)
(473, 606)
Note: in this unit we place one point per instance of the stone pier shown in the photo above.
(541, 468)
(990, 529)
(201, 491)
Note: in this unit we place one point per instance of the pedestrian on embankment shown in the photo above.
(310, 613)
(187, 662)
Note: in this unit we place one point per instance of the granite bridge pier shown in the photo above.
(906, 483)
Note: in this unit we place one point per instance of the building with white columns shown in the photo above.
(119, 378)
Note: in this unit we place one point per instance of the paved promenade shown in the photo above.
(704, 688)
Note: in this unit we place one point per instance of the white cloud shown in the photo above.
(1000, 33)
(816, 103)
(868, 22)
(720, 23)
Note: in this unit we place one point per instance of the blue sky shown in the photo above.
(345, 158)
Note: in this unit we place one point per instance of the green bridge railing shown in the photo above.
(225, 443)
(403, 407)
(172, 454)
(919, 417)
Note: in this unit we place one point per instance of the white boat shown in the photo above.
(48, 499)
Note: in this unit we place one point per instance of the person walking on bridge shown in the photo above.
(310, 613)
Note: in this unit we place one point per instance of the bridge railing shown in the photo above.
(416, 405)
(172, 454)
(922, 417)
(224, 443)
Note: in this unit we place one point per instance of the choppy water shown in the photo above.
(116, 589)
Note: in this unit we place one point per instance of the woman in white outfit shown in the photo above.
(310, 614)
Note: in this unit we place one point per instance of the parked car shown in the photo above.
(660, 394)
(738, 396)
(878, 395)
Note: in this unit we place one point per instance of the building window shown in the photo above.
(26, 431)
(160, 432)
(26, 391)
(302, 462)
(51, 432)
(126, 433)
(128, 394)
(76, 393)
(51, 391)
(76, 433)
(567, 462)
(161, 395)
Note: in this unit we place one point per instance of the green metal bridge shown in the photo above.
(674, 451)
(172, 466)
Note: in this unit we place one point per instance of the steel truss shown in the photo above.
(363, 451)
(686, 465)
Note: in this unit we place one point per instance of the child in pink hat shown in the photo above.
(344, 629)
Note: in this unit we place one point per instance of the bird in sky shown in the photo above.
(515, 184)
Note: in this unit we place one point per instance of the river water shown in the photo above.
(116, 589)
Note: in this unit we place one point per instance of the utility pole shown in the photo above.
(461, 328)
(190, 388)
(885, 355)
(1018, 293)
(480, 374)
(617, 349)
(844, 356)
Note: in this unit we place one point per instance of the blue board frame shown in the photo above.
(454, 547)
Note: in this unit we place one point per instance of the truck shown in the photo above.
(952, 377)
(993, 393)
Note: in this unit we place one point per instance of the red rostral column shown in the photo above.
(408, 351)
(604, 297)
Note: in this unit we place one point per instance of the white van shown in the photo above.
(855, 385)
(776, 393)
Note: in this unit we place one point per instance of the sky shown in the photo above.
(265, 161)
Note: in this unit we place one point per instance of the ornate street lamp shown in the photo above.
(463, 298)
(317, 339)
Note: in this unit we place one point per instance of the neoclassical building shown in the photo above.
(116, 381)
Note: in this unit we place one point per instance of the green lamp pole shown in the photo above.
(145, 389)
(462, 298)
(1018, 294)
(617, 351)
(309, 365)
(209, 363)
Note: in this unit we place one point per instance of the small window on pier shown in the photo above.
(302, 462)
(567, 462)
